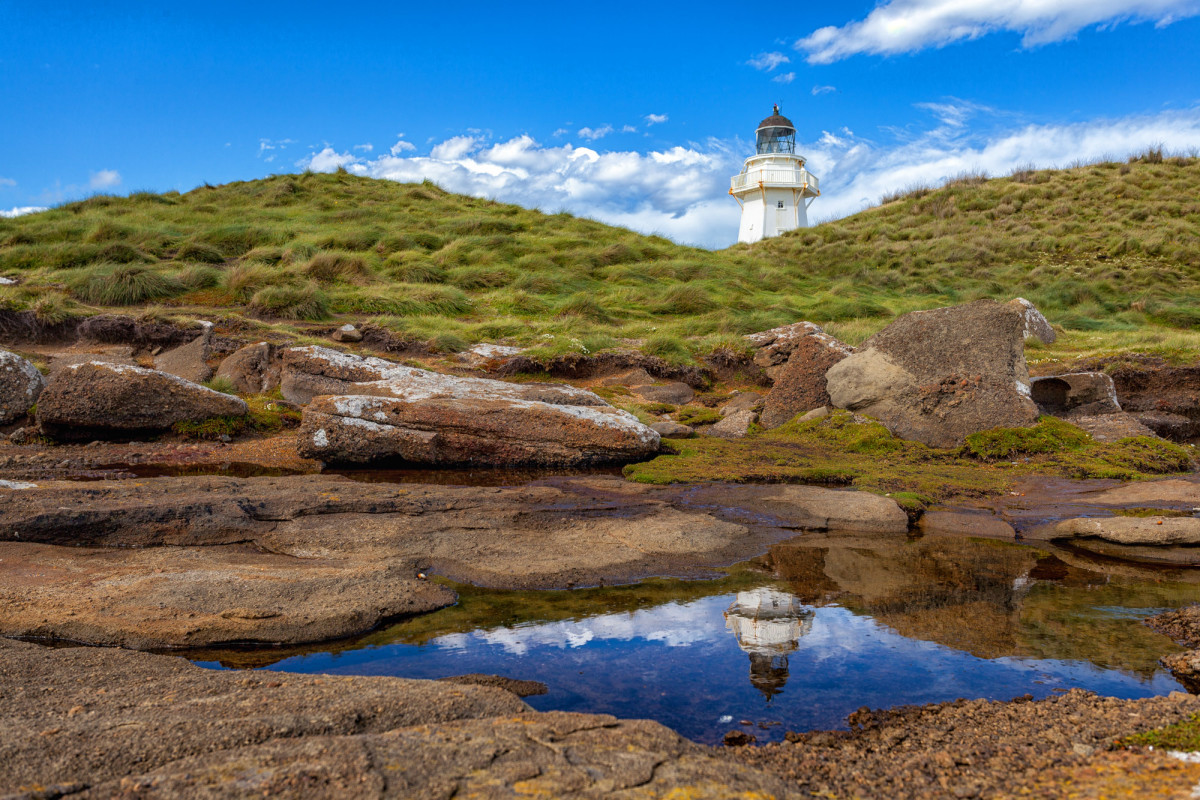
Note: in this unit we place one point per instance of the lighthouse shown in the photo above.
(773, 188)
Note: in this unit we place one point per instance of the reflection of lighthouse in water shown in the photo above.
(768, 624)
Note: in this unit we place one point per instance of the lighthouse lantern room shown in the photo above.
(773, 188)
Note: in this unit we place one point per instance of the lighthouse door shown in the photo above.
(783, 216)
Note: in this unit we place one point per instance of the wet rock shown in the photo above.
(20, 385)
(194, 597)
(673, 430)
(937, 376)
(1184, 666)
(818, 508)
(309, 372)
(1035, 325)
(967, 524)
(632, 377)
(518, 687)
(736, 738)
(734, 426)
(1075, 393)
(116, 713)
(1180, 624)
(676, 393)
(800, 386)
(92, 399)
(1173, 491)
(347, 333)
(1153, 531)
(189, 361)
(742, 401)
(253, 369)
(470, 430)
(1112, 427)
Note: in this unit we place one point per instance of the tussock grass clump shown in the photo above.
(122, 285)
(291, 302)
(329, 267)
(200, 252)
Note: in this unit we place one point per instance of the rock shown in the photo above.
(773, 348)
(966, 523)
(309, 372)
(742, 401)
(160, 597)
(17, 485)
(1173, 491)
(673, 430)
(816, 413)
(1035, 326)
(633, 377)
(189, 361)
(493, 430)
(736, 738)
(1176, 427)
(1112, 427)
(253, 369)
(676, 393)
(937, 376)
(488, 356)
(800, 385)
(119, 713)
(1076, 393)
(111, 354)
(1180, 624)
(347, 333)
(1153, 531)
(818, 508)
(735, 426)
(20, 385)
(1184, 666)
(86, 400)
(518, 687)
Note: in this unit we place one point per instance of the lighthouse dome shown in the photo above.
(775, 134)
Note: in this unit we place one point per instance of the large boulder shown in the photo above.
(937, 376)
(189, 361)
(801, 386)
(472, 427)
(773, 348)
(96, 398)
(253, 369)
(20, 386)
(310, 372)
(1034, 325)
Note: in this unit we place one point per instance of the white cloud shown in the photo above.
(401, 145)
(560, 132)
(820, 90)
(592, 134)
(768, 61)
(21, 211)
(364, 148)
(656, 119)
(784, 77)
(681, 192)
(628, 129)
(105, 179)
(905, 26)
(7, 182)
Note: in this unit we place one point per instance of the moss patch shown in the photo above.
(1180, 736)
(265, 416)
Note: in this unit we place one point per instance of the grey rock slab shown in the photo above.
(253, 369)
(1087, 393)
(20, 386)
(833, 509)
(734, 426)
(1157, 531)
(673, 430)
(966, 523)
(675, 393)
(86, 715)
(1035, 326)
(742, 401)
(347, 333)
(189, 361)
(1149, 493)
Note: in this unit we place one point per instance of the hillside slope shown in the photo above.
(1109, 251)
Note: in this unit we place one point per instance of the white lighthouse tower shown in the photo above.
(773, 188)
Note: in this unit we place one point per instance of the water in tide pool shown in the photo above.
(796, 640)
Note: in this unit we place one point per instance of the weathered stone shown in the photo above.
(632, 377)
(818, 508)
(1112, 427)
(115, 713)
(20, 385)
(1184, 666)
(1173, 491)
(966, 524)
(673, 430)
(1035, 326)
(1076, 393)
(1169, 425)
(488, 356)
(816, 413)
(89, 399)
(253, 369)
(937, 376)
(310, 372)
(86, 354)
(347, 333)
(676, 393)
(518, 687)
(470, 430)
(742, 401)
(801, 386)
(189, 361)
(735, 426)
(774, 347)
(1155, 531)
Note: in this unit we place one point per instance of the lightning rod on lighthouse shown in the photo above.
(773, 188)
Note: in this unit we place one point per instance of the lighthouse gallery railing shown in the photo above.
(775, 177)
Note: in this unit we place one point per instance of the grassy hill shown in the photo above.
(1110, 252)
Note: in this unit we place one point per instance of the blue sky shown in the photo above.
(633, 113)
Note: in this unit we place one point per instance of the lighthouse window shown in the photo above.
(780, 205)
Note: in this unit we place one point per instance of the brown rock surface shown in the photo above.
(1155, 531)
(20, 386)
(1075, 393)
(77, 717)
(95, 398)
(254, 369)
(742, 401)
(801, 386)
(673, 430)
(966, 523)
(189, 361)
(470, 430)
(937, 376)
(1036, 326)
(675, 393)
(734, 426)
(1112, 427)
(1181, 624)
(773, 348)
